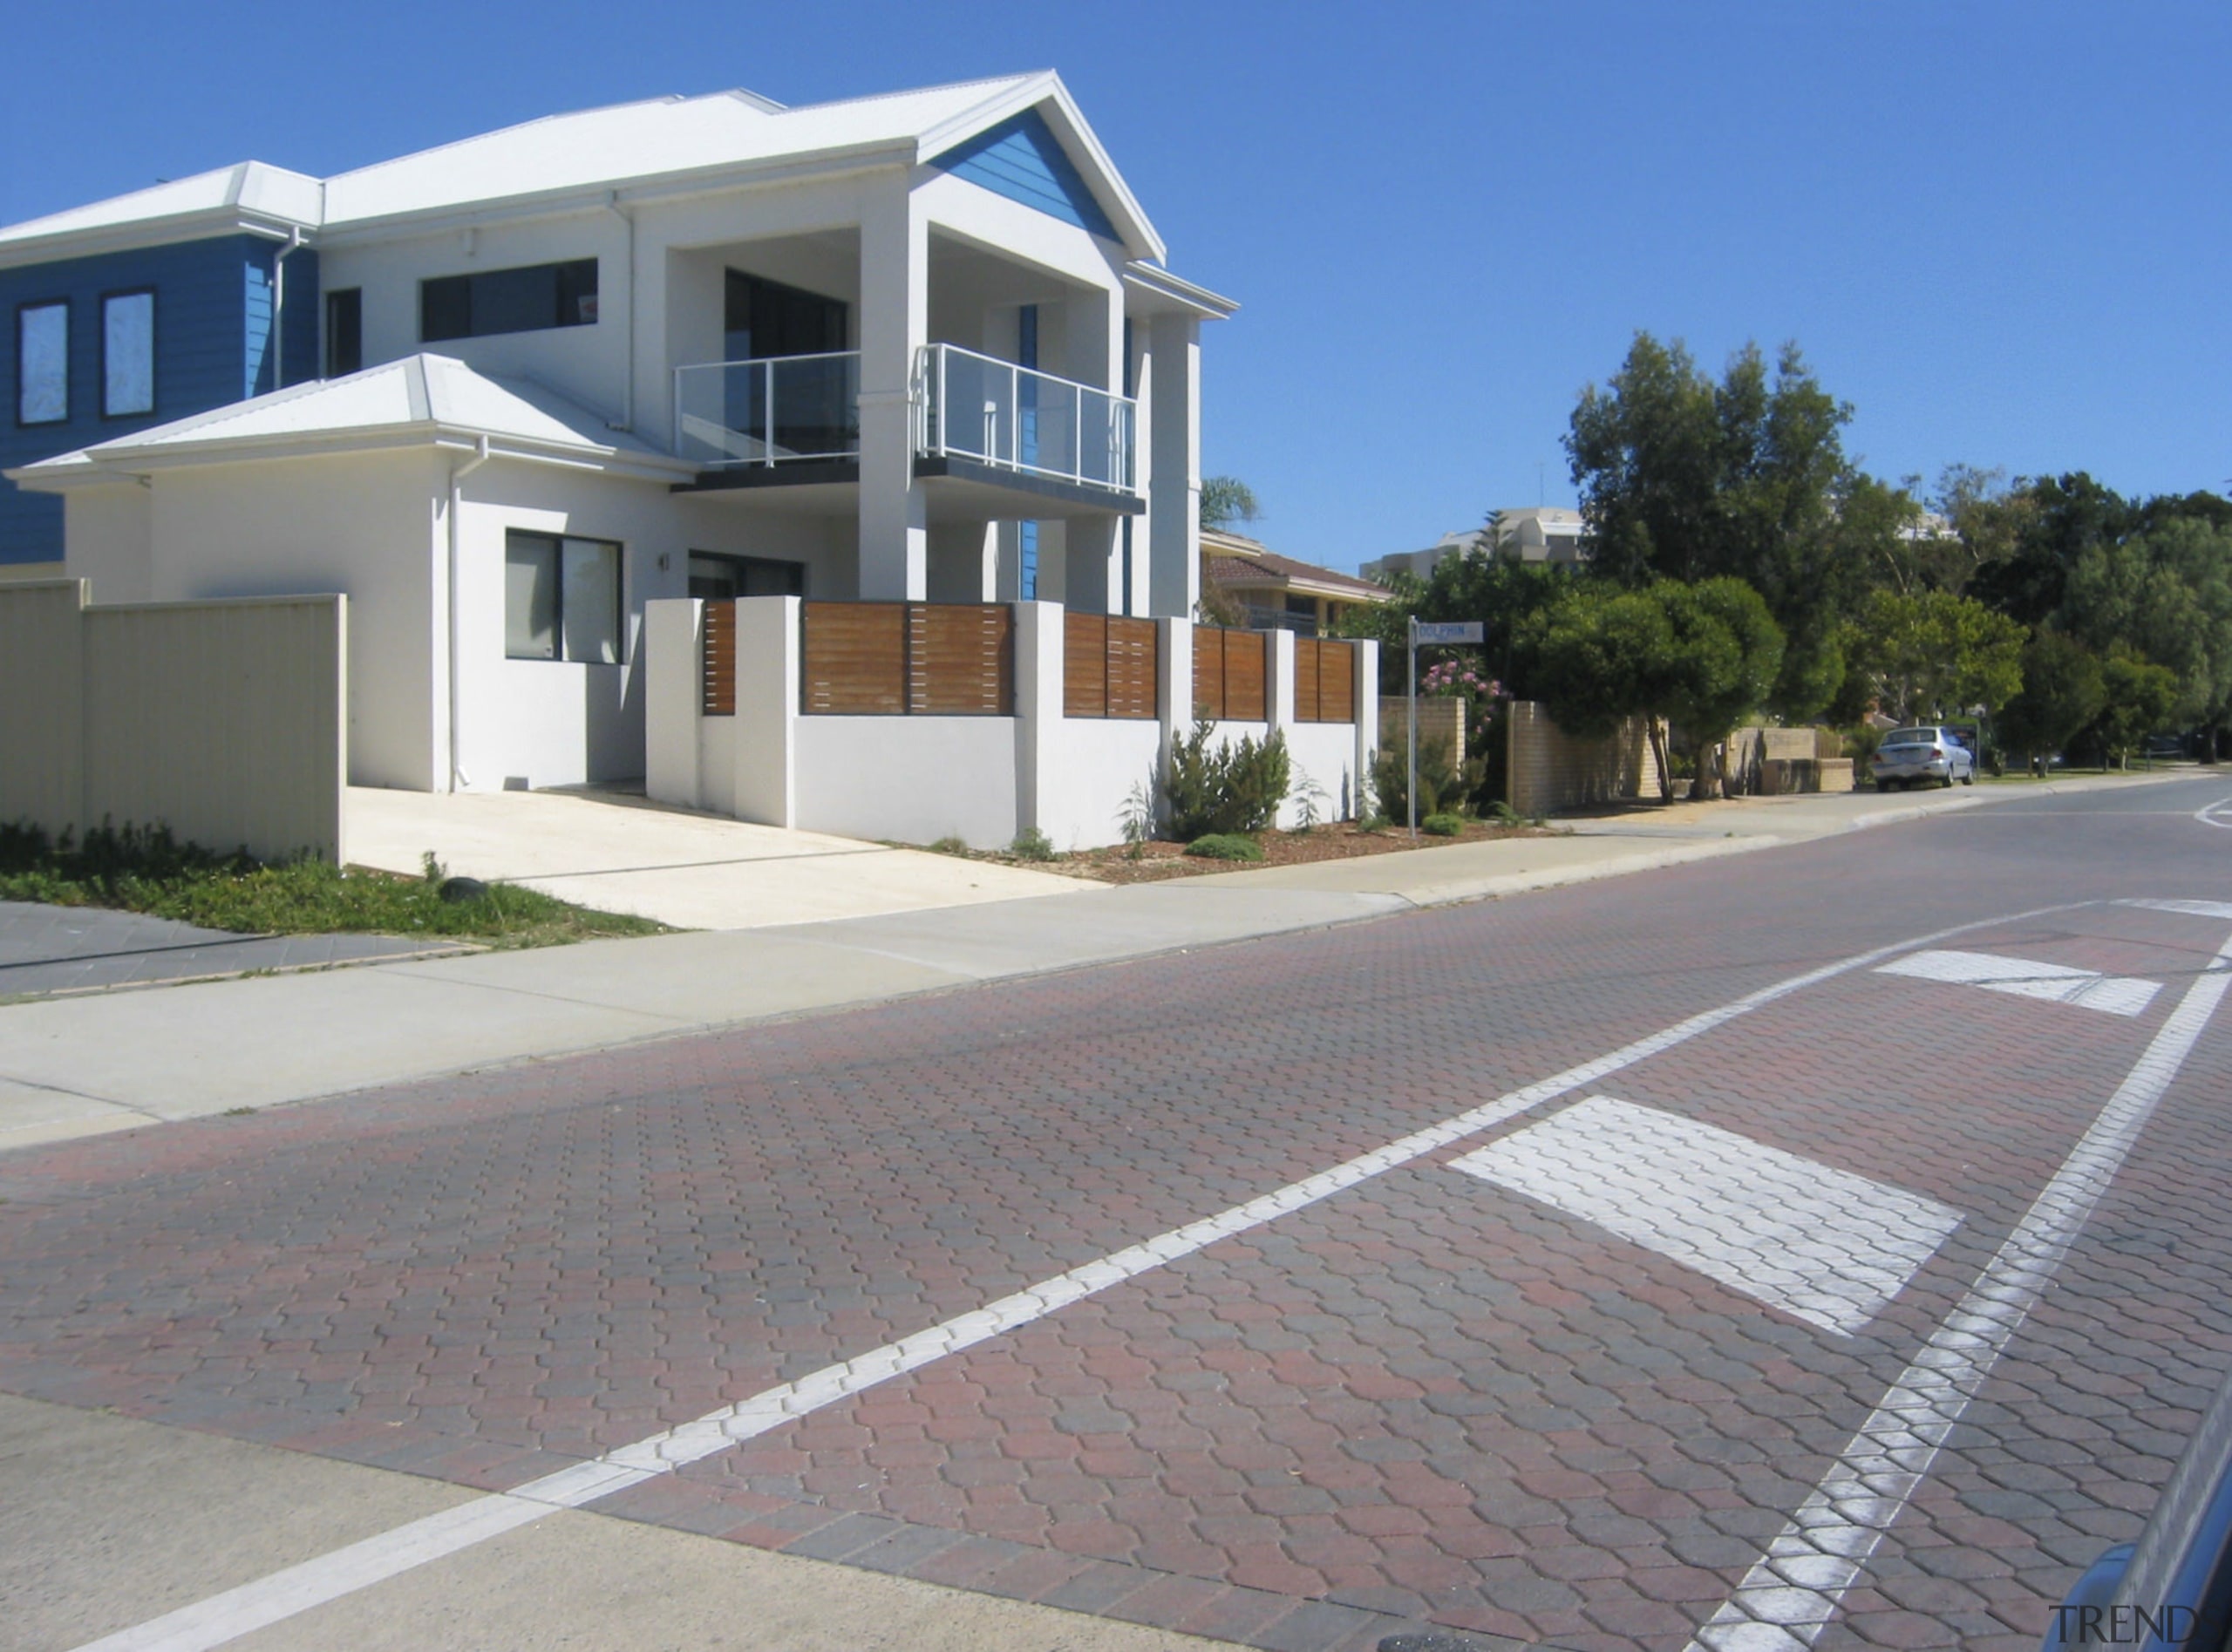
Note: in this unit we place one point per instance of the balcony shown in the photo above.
(992, 440)
(1007, 417)
(779, 409)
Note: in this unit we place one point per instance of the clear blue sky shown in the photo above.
(2000, 230)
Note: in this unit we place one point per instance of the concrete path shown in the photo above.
(47, 949)
(80, 1066)
(617, 853)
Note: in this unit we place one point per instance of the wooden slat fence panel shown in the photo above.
(1336, 682)
(718, 665)
(1246, 662)
(1305, 679)
(1208, 671)
(1084, 665)
(1133, 658)
(961, 659)
(854, 656)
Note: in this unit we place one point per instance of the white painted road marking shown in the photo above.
(2057, 982)
(1791, 1594)
(1822, 1245)
(2207, 816)
(2194, 908)
(271, 1600)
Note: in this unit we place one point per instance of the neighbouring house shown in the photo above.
(1265, 591)
(908, 350)
(1536, 533)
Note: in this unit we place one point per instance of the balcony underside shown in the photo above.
(956, 490)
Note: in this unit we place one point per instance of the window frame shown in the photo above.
(63, 305)
(556, 540)
(153, 323)
(553, 266)
(325, 344)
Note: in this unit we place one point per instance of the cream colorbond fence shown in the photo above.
(225, 720)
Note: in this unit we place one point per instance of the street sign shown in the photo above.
(1449, 631)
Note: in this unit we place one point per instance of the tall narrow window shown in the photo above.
(43, 364)
(561, 598)
(344, 332)
(127, 354)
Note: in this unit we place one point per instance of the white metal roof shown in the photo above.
(623, 145)
(420, 399)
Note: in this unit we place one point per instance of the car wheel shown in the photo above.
(1946, 784)
(1970, 778)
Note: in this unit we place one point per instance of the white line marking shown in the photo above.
(1793, 1590)
(2207, 815)
(2057, 982)
(2193, 909)
(1818, 1243)
(271, 1600)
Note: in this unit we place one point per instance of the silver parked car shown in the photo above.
(1923, 757)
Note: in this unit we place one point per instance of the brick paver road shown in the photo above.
(1563, 1379)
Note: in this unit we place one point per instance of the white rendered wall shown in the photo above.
(361, 524)
(913, 779)
(1324, 752)
(109, 531)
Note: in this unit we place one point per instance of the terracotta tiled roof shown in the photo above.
(1234, 562)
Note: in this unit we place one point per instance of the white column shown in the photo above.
(764, 788)
(1367, 704)
(674, 699)
(895, 323)
(1093, 545)
(1174, 505)
(1278, 692)
(1174, 691)
(1038, 747)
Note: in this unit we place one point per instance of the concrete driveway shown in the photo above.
(619, 852)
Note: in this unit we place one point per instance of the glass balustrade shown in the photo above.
(972, 406)
(768, 412)
(781, 409)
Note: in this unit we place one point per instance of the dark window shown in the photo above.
(128, 354)
(717, 578)
(509, 300)
(42, 362)
(344, 332)
(766, 318)
(561, 598)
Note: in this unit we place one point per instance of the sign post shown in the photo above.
(1434, 631)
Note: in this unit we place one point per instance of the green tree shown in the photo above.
(2166, 593)
(1227, 502)
(1688, 478)
(1934, 654)
(2061, 693)
(2137, 697)
(1699, 655)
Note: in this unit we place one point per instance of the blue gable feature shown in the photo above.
(208, 353)
(1022, 159)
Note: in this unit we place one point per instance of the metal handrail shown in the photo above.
(934, 432)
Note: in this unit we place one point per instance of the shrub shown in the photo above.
(1443, 825)
(1236, 786)
(1226, 846)
(950, 845)
(1439, 781)
(1030, 844)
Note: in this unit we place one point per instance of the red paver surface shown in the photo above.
(1426, 1400)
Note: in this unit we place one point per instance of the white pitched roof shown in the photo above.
(621, 145)
(249, 190)
(417, 400)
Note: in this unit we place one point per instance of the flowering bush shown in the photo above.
(1452, 677)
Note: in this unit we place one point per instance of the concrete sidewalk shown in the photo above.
(77, 1066)
(619, 852)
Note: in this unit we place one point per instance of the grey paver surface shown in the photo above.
(51, 949)
(1430, 1400)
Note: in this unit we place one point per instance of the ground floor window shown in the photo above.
(561, 598)
(717, 578)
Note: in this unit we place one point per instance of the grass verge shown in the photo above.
(141, 869)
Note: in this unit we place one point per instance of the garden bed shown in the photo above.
(1342, 841)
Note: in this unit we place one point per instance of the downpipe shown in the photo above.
(458, 472)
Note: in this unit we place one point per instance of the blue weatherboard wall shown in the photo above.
(1021, 158)
(213, 326)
